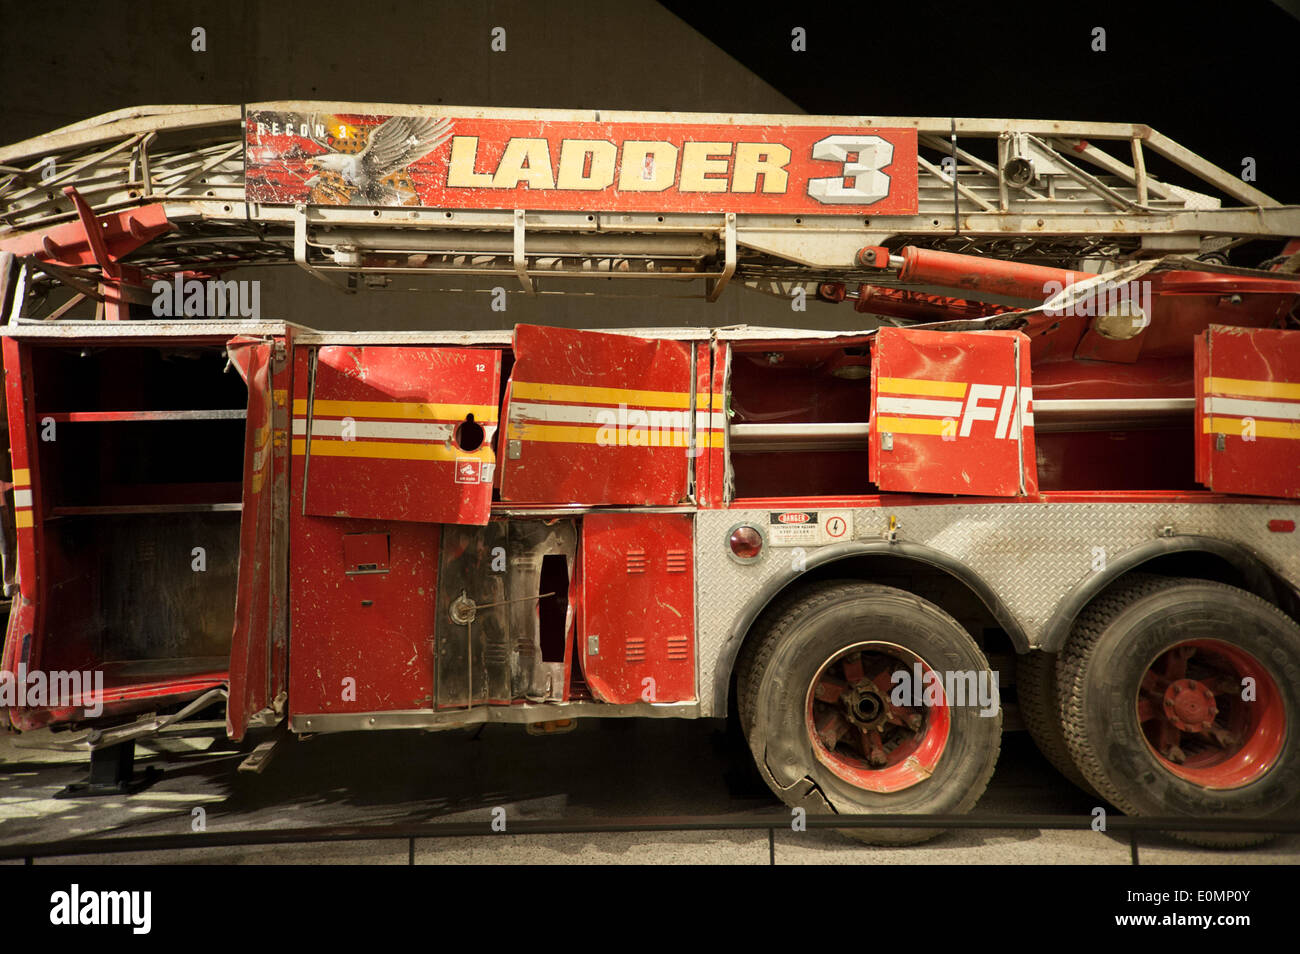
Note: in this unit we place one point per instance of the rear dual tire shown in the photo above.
(1179, 697)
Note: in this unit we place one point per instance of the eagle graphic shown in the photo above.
(376, 174)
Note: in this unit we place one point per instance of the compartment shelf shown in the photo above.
(100, 417)
(114, 509)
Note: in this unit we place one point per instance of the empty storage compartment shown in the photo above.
(799, 419)
(139, 467)
(143, 597)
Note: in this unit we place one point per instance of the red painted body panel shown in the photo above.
(1248, 411)
(1201, 439)
(949, 402)
(372, 627)
(25, 632)
(250, 649)
(391, 433)
(715, 454)
(474, 162)
(708, 425)
(597, 418)
(638, 586)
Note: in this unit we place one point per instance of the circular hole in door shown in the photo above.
(468, 434)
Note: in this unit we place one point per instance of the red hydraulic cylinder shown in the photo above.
(923, 266)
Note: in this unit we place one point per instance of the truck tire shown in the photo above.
(816, 699)
(1036, 691)
(1152, 686)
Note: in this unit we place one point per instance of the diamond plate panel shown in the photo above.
(1030, 555)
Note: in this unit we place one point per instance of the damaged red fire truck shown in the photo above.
(1053, 476)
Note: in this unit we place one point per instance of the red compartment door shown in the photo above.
(597, 418)
(951, 413)
(1248, 411)
(257, 600)
(400, 433)
(638, 609)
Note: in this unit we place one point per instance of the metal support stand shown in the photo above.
(112, 772)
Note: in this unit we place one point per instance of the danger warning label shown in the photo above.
(805, 528)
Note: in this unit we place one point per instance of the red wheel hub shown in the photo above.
(1212, 714)
(859, 730)
(1190, 706)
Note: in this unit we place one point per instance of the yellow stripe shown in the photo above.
(1289, 430)
(583, 394)
(909, 425)
(387, 450)
(1249, 388)
(257, 482)
(921, 386)
(712, 439)
(483, 413)
(23, 518)
(22, 476)
(568, 434)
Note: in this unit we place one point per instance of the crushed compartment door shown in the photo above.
(638, 607)
(1248, 411)
(256, 602)
(951, 413)
(596, 418)
(400, 433)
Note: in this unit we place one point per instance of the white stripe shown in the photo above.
(609, 416)
(710, 420)
(596, 414)
(1282, 410)
(23, 498)
(895, 405)
(362, 430)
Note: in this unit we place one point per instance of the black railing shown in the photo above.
(771, 823)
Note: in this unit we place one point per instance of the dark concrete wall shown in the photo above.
(61, 63)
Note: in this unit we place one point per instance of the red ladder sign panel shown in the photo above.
(596, 418)
(951, 413)
(1248, 411)
(480, 162)
(394, 433)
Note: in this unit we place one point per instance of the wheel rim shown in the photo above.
(858, 732)
(1197, 724)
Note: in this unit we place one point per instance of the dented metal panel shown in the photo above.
(1248, 411)
(951, 413)
(597, 419)
(250, 650)
(638, 584)
(472, 652)
(362, 641)
(541, 608)
(398, 433)
(504, 625)
(713, 464)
